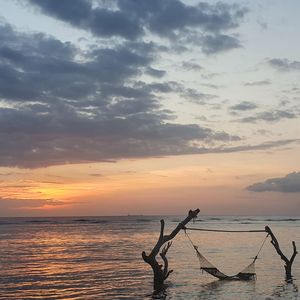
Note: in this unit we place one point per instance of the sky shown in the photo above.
(149, 107)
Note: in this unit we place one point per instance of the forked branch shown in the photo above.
(162, 272)
(163, 254)
(288, 262)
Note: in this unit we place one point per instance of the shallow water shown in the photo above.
(100, 258)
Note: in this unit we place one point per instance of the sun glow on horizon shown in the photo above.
(208, 180)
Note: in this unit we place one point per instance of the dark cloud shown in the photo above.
(48, 68)
(284, 64)
(190, 94)
(96, 175)
(191, 66)
(196, 97)
(288, 184)
(270, 116)
(210, 75)
(263, 25)
(264, 132)
(159, 140)
(245, 105)
(262, 146)
(155, 73)
(31, 140)
(213, 44)
(258, 83)
(64, 105)
(100, 21)
(63, 110)
(169, 19)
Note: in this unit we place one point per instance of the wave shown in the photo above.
(144, 220)
(283, 220)
(41, 221)
(81, 220)
(244, 219)
(51, 221)
(8, 223)
(91, 221)
(175, 220)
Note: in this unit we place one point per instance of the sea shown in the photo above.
(100, 258)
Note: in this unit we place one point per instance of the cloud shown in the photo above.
(245, 105)
(7, 204)
(65, 105)
(258, 83)
(263, 146)
(47, 68)
(96, 175)
(270, 116)
(263, 25)
(65, 137)
(168, 19)
(100, 21)
(191, 66)
(155, 73)
(288, 184)
(284, 64)
(196, 97)
(211, 85)
(12, 174)
(64, 110)
(213, 44)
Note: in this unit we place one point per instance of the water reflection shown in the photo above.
(100, 258)
(222, 289)
(287, 290)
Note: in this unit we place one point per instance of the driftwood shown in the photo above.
(288, 262)
(162, 272)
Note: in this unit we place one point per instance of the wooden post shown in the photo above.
(161, 272)
(288, 262)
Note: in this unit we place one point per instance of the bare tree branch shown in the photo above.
(164, 258)
(161, 272)
(295, 252)
(288, 262)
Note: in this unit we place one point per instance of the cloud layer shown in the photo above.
(60, 103)
(288, 184)
(63, 105)
(284, 64)
(203, 24)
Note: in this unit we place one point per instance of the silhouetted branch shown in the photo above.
(288, 262)
(294, 252)
(161, 272)
(164, 258)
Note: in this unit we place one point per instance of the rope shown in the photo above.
(186, 234)
(256, 256)
(243, 275)
(196, 248)
(219, 230)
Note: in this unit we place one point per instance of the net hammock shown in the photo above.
(248, 273)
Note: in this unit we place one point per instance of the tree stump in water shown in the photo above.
(288, 262)
(162, 272)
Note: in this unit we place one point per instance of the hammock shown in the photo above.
(247, 273)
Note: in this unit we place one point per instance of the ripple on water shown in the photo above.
(100, 258)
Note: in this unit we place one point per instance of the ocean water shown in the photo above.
(100, 258)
